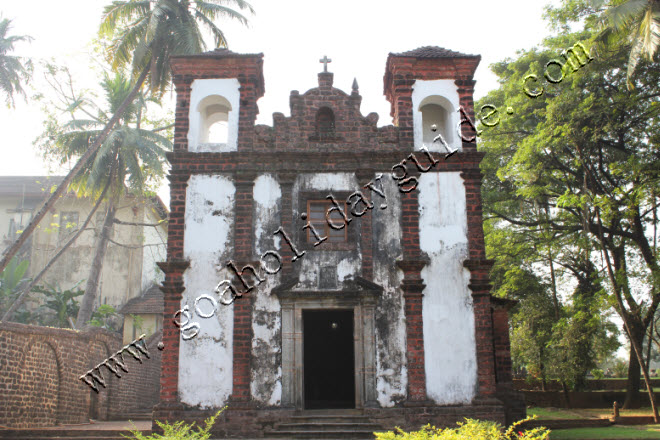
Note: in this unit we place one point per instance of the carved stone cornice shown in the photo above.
(477, 264)
(244, 178)
(412, 265)
(480, 288)
(178, 178)
(287, 178)
(413, 287)
(173, 266)
(473, 174)
(502, 303)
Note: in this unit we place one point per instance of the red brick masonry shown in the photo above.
(39, 377)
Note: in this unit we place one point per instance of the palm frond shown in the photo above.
(122, 47)
(213, 11)
(242, 4)
(649, 30)
(122, 12)
(633, 59)
(621, 16)
(218, 35)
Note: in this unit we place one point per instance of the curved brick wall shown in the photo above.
(39, 371)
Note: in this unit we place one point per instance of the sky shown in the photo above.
(293, 35)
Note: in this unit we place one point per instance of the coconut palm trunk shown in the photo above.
(59, 192)
(92, 286)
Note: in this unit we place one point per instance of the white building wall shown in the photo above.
(155, 249)
(205, 361)
(449, 335)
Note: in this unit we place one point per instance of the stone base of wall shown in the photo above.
(254, 423)
(514, 403)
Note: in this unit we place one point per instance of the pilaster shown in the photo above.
(286, 181)
(366, 237)
(172, 289)
(242, 338)
(480, 285)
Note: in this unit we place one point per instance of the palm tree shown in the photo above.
(146, 33)
(639, 22)
(12, 70)
(150, 32)
(127, 161)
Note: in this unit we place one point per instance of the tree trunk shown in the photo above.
(21, 298)
(92, 286)
(633, 396)
(91, 151)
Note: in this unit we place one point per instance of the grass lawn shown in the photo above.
(607, 412)
(612, 432)
(556, 413)
(584, 413)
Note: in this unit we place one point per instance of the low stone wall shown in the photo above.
(592, 385)
(39, 377)
(586, 399)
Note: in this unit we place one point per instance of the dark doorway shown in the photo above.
(328, 359)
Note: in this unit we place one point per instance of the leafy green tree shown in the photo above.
(13, 70)
(532, 324)
(11, 281)
(586, 148)
(60, 305)
(144, 33)
(584, 336)
(130, 159)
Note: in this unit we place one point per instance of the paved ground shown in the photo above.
(142, 425)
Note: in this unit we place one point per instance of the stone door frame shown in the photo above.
(363, 304)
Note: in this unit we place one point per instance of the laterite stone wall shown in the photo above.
(39, 377)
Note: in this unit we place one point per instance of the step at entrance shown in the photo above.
(329, 424)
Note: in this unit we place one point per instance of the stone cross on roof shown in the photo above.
(325, 60)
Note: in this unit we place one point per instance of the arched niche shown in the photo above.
(435, 103)
(436, 110)
(325, 123)
(213, 117)
(214, 111)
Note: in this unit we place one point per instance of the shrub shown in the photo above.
(178, 431)
(469, 430)
(598, 373)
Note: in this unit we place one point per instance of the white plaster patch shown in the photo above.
(391, 372)
(266, 372)
(205, 361)
(449, 335)
(348, 268)
(329, 181)
(228, 88)
(267, 195)
(423, 93)
(266, 191)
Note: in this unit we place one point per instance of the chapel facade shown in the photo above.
(354, 258)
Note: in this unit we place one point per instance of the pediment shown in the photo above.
(355, 288)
